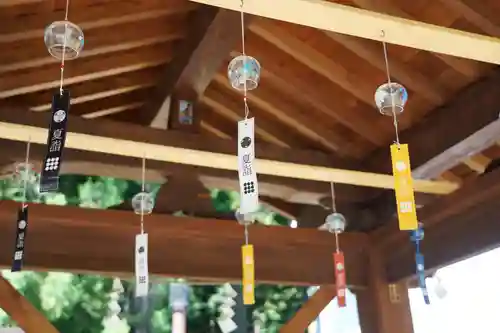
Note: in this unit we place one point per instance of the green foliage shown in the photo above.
(80, 303)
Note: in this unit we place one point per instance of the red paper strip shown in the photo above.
(340, 280)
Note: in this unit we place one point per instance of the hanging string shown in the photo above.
(334, 210)
(245, 90)
(143, 187)
(386, 59)
(64, 48)
(25, 176)
(246, 233)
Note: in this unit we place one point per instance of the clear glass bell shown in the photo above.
(244, 219)
(244, 68)
(391, 97)
(335, 222)
(418, 234)
(24, 172)
(64, 37)
(143, 203)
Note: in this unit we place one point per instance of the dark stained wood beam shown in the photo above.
(457, 226)
(212, 35)
(22, 311)
(462, 127)
(310, 310)
(84, 240)
(292, 190)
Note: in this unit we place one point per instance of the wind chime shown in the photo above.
(244, 74)
(143, 204)
(64, 41)
(335, 223)
(391, 98)
(22, 176)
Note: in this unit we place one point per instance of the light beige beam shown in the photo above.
(362, 23)
(205, 159)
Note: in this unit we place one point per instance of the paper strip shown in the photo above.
(141, 265)
(249, 190)
(248, 282)
(419, 261)
(49, 180)
(340, 278)
(22, 228)
(403, 187)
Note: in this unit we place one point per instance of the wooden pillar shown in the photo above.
(383, 307)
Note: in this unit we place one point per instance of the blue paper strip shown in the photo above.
(419, 261)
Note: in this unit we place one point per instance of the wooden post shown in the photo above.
(383, 307)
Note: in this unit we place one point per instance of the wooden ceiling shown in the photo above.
(316, 91)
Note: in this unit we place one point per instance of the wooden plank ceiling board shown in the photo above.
(179, 246)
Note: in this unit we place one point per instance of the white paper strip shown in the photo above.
(249, 190)
(141, 265)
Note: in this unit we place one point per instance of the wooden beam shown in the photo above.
(211, 38)
(310, 310)
(284, 188)
(457, 226)
(178, 246)
(22, 311)
(464, 151)
(334, 17)
(195, 157)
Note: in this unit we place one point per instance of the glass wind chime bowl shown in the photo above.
(335, 223)
(64, 37)
(24, 172)
(244, 67)
(244, 219)
(391, 98)
(143, 203)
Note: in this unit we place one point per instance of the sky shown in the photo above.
(458, 310)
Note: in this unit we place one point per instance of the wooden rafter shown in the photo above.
(210, 39)
(475, 12)
(179, 246)
(338, 18)
(22, 311)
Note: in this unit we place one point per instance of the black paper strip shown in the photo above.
(22, 228)
(49, 180)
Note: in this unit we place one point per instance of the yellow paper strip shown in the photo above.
(248, 274)
(403, 187)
